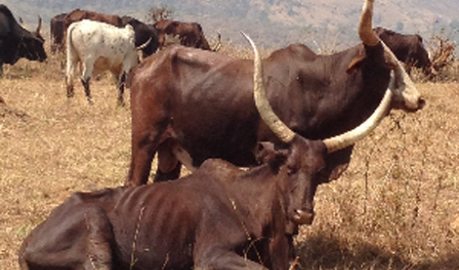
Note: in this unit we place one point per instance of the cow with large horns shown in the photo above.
(99, 47)
(220, 217)
(143, 33)
(189, 105)
(16, 42)
(409, 49)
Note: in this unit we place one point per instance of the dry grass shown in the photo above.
(396, 207)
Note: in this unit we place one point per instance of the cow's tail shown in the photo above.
(72, 57)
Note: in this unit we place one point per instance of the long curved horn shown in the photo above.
(286, 135)
(366, 33)
(141, 47)
(399, 72)
(39, 25)
(351, 137)
(262, 103)
(402, 82)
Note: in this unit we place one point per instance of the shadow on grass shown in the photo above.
(327, 253)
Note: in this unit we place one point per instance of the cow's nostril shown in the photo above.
(303, 217)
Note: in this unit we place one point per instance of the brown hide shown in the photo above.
(57, 32)
(78, 15)
(409, 49)
(218, 217)
(191, 34)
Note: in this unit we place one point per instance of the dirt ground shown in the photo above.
(396, 207)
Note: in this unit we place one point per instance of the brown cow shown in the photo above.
(79, 14)
(202, 102)
(190, 34)
(220, 217)
(407, 48)
(57, 32)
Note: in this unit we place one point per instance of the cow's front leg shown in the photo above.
(282, 252)
(87, 91)
(226, 260)
(88, 69)
(121, 90)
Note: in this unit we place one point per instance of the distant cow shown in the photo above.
(57, 32)
(407, 48)
(79, 14)
(219, 217)
(202, 101)
(143, 33)
(190, 34)
(100, 47)
(16, 42)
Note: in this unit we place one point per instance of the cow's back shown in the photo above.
(91, 39)
(169, 222)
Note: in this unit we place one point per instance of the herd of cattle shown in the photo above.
(292, 118)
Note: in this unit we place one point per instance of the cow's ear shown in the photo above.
(267, 153)
(356, 63)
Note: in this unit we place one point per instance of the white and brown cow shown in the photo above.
(98, 47)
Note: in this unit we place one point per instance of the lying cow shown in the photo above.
(219, 217)
(99, 47)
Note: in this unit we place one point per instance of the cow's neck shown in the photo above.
(261, 189)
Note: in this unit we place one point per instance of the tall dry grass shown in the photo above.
(396, 207)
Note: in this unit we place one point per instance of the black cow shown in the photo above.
(143, 33)
(16, 42)
(407, 48)
(220, 217)
(57, 32)
(202, 102)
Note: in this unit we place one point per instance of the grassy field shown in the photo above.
(396, 207)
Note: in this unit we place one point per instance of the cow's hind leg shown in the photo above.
(72, 61)
(226, 260)
(99, 241)
(87, 91)
(147, 132)
(83, 241)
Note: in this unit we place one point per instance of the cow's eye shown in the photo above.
(292, 170)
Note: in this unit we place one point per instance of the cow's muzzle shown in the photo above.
(301, 217)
